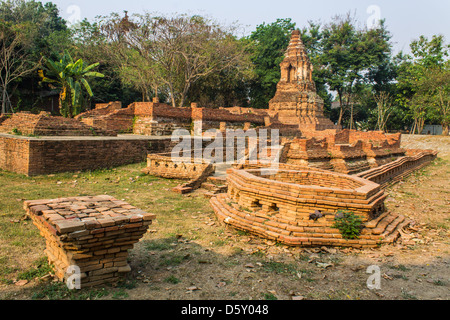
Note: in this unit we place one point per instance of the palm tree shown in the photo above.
(69, 77)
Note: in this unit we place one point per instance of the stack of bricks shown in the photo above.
(92, 233)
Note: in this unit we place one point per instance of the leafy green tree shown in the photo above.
(169, 55)
(312, 37)
(91, 45)
(437, 83)
(70, 77)
(270, 42)
(348, 54)
(15, 58)
(423, 81)
(42, 32)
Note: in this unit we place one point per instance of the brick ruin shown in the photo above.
(280, 206)
(191, 169)
(91, 233)
(296, 101)
(323, 169)
(43, 124)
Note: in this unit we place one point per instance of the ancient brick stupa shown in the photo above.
(296, 101)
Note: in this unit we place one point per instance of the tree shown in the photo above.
(423, 81)
(435, 88)
(15, 59)
(269, 44)
(171, 53)
(188, 49)
(384, 108)
(312, 37)
(348, 53)
(35, 29)
(69, 77)
(91, 45)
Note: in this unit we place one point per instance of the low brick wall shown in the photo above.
(91, 233)
(346, 151)
(160, 126)
(396, 170)
(37, 156)
(298, 193)
(43, 124)
(196, 171)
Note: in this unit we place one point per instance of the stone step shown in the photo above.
(373, 223)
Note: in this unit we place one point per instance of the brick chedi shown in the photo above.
(91, 233)
(296, 101)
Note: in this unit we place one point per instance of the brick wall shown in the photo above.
(396, 170)
(345, 151)
(32, 156)
(196, 171)
(296, 194)
(43, 124)
(184, 169)
(14, 154)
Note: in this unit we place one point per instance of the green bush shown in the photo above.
(349, 224)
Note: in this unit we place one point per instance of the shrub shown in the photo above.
(349, 224)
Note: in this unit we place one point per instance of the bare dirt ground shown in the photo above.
(188, 255)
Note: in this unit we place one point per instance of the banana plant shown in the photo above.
(70, 78)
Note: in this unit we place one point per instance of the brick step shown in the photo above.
(208, 186)
(219, 181)
(393, 230)
(383, 224)
(373, 223)
(209, 195)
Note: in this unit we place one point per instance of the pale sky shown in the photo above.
(406, 20)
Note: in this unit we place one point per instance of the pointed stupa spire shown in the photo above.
(296, 101)
(296, 47)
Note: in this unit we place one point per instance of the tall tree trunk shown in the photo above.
(4, 100)
(351, 116)
(183, 95)
(341, 112)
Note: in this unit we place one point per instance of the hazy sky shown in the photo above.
(406, 20)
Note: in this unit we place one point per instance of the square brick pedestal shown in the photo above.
(92, 233)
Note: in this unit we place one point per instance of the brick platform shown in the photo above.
(278, 206)
(93, 233)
